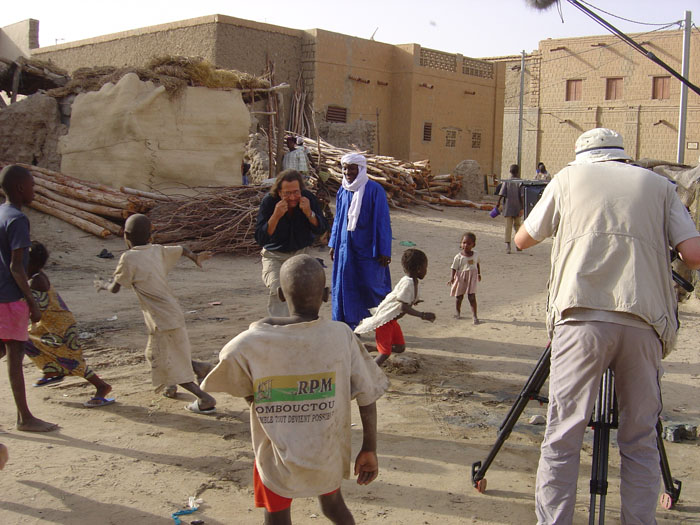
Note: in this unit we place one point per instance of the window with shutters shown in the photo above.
(336, 114)
(613, 88)
(661, 88)
(573, 89)
(451, 138)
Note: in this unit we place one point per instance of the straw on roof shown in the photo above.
(172, 72)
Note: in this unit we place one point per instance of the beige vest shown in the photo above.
(612, 253)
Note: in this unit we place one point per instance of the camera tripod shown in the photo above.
(603, 419)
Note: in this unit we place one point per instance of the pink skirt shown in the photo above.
(465, 282)
(14, 321)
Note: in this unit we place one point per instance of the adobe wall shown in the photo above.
(448, 95)
(649, 127)
(356, 74)
(19, 39)
(194, 37)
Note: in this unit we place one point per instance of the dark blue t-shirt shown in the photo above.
(14, 234)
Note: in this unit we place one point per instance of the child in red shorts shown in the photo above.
(396, 304)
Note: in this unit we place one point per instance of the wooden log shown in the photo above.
(98, 209)
(87, 216)
(70, 219)
(88, 195)
(145, 194)
(67, 180)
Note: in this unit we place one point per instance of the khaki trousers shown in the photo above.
(512, 223)
(581, 352)
(271, 264)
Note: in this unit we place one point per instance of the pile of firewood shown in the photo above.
(94, 208)
(405, 182)
(220, 220)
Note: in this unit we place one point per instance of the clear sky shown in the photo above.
(471, 27)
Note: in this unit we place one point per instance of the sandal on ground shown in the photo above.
(194, 407)
(49, 380)
(97, 401)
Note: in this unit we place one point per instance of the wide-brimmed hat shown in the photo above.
(598, 145)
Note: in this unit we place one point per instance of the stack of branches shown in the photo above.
(220, 220)
(405, 182)
(175, 73)
(94, 208)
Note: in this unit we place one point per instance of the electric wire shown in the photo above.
(627, 19)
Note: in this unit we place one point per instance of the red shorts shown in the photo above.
(272, 501)
(14, 321)
(387, 335)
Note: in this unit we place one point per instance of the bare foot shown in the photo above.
(457, 316)
(170, 391)
(4, 456)
(476, 321)
(36, 425)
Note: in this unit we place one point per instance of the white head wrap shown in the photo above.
(599, 145)
(357, 187)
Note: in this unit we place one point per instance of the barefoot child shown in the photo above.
(466, 271)
(145, 267)
(396, 304)
(53, 342)
(17, 305)
(299, 374)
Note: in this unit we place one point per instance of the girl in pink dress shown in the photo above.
(466, 272)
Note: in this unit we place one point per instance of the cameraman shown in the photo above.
(611, 305)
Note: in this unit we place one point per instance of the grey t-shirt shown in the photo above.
(511, 190)
(14, 234)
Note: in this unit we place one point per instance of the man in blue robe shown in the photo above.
(360, 244)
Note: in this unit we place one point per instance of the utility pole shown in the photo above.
(520, 112)
(683, 106)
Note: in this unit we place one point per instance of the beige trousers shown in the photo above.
(581, 352)
(512, 224)
(271, 264)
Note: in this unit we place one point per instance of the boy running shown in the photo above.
(145, 267)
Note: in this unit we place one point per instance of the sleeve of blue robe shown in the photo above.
(359, 281)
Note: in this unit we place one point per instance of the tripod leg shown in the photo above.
(531, 390)
(672, 487)
(604, 418)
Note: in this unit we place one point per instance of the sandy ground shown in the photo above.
(140, 459)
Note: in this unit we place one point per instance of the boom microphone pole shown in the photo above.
(541, 5)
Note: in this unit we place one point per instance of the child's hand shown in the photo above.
(449, 283)
(428, 316)
(366, 467)
(100, 284)
(34, 312)
(201, 257)
(479, 277)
